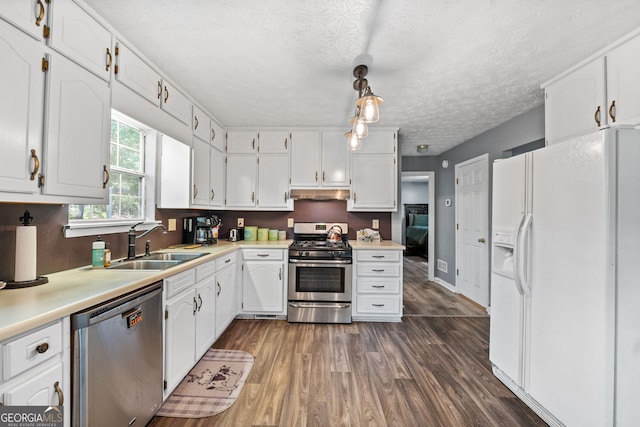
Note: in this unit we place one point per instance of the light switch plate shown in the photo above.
(171, 224)
(376, 224)
(290, 222)
(240, 222)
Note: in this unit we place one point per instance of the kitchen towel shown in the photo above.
(26, 245)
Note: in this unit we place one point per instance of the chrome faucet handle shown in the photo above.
(133, 227)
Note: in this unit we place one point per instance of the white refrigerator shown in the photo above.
(565, 280)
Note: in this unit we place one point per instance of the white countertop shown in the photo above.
(385, 244)
(74, 290)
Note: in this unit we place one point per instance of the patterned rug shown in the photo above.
(211, 387)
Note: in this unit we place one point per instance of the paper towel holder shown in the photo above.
(11, 284)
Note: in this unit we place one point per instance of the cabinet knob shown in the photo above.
(42, 348)
(481, 240)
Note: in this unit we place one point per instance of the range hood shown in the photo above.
(315, 194)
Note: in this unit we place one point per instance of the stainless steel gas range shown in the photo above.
(320, 262)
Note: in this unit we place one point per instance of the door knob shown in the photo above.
(481, 240)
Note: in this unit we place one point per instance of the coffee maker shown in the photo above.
(202, 230)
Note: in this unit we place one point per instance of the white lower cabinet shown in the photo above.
(377, 285)
(263, 281)
(225, 291)
(36, 368)
(190, 312)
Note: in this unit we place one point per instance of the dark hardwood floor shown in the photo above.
(432, 369)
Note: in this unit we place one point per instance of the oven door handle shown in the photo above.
(311, 263)
(316, 305)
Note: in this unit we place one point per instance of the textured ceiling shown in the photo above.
(448, 70)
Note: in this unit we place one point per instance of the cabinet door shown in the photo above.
(623, 84)
(217, 136)
(274, 142)
(216, 177)
(135, 74)
(205, 315)
(200, 173)
(373, 183)
(241, 180)
(37, 390)
(30, 15)
(273, 181)
(263, 287)
(305, 159)
(77, 136)
(175, 103)
(200, 124)
(242, 142)
(80, 37)
(173, 174)
(21, 110)
(574, 104)
(335, 160)
(179, 338)
(378, 142)
(225, 298)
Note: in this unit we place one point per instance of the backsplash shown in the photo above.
(57, 253)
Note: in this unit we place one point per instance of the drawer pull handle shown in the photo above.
(280, 273)
(596, 116)
(378, 270)
(377, 256)
(227, 260)
(195, 306)
(219, 289)
(262, 255)
(378, 286)
(378, 305)
(200, 302)
(58, 390)
(42, 348)
(36, 164)
(109, 60)
(612, 111)
(40, 16)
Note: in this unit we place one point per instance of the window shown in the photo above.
(127, 178)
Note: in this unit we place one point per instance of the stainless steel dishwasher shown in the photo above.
(117, 360)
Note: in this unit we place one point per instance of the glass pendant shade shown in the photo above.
(368, 104)
(359, 128)
(353, 142)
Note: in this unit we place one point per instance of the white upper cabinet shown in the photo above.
(273, 142)
(174, 159)
(21, 110)
(216, 177)
(305, 159)
(208, 175)
(134, 73)
(576, 104)
(217, 136)
(175, 103)
(378, 142)
(77, 136)
(241, 180)
(29, 15)
(200, 124)
(81, 38)
(374, 183)
(603, 92)
(242, 142)
(273, 182)
(623, 83)
(319, 159)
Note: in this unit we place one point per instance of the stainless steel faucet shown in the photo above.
(133, 237)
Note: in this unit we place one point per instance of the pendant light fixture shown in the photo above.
(366, 108)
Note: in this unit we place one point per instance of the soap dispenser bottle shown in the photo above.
(97, 254)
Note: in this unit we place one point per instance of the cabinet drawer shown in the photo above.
(36, 347)
(378, 255)
(270, 254)
(175, 284)
(377, 286)
(225, 261)
(373, 269)
(205, 270)
(370, 304)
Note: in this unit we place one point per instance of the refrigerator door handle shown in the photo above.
(516, 257)
(523, 255)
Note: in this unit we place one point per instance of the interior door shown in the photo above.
(472, 229)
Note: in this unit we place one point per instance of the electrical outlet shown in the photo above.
(376, 224)
(290, 222)
(240, 222)
(171, 224)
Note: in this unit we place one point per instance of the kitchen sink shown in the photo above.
(144, 264)
(172, 256)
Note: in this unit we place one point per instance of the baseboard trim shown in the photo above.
(445, 284)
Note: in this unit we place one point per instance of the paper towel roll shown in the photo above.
(26, 238)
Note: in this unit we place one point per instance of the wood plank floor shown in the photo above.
(429, 370)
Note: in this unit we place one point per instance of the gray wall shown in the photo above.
(523, 129)
(415, 192)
